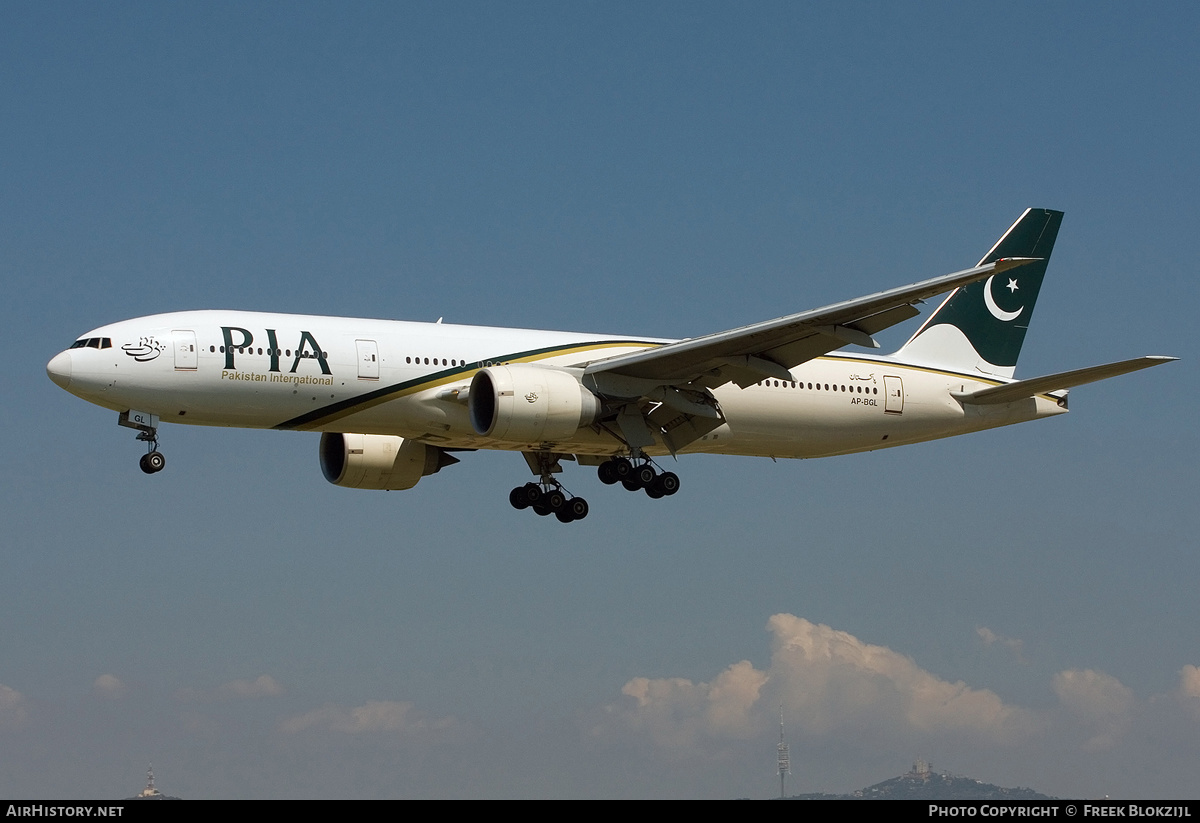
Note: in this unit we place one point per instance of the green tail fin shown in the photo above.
(980, 327)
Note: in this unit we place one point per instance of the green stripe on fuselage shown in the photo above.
(361, 402)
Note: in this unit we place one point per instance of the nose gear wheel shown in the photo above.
(153, 461)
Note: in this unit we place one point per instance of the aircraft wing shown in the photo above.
(769, 349)
(1021, 389)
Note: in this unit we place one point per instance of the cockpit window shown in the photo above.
(93, 343)
(79, 344)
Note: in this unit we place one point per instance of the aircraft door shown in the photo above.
(893, 391)
(368, 359)
(185, 349)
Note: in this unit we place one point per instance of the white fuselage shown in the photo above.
(310, 373)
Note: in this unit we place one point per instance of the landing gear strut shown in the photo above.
(153, 461)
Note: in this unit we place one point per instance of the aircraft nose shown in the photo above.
(59, 369)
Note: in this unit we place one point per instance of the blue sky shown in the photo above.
(1017, 605)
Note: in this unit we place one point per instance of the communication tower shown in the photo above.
(785, 762)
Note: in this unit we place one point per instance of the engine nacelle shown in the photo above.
(378, 461)
(521, 403)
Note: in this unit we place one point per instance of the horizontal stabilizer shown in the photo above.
(1021, 389)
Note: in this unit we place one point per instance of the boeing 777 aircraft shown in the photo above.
(395, 400)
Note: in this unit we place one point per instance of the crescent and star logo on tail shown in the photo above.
(990, 301)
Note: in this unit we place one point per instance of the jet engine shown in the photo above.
(522, 403)
(378, 461)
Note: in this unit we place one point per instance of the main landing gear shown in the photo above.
(547, 496)
(547, 499)
(641, 475)
(153, 461)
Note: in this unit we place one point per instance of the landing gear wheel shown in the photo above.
(518, 499)
(653, 492)
(644, 475)
(607, 472)
(622, 468)
(533, 493)
(540, 509)
(666, 484)
(574, 509)
(578, 508)
(631, 485)
(555, 500)
(152, 462)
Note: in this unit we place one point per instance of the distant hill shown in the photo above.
(923, 783)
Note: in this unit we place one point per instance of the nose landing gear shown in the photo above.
(153, 461)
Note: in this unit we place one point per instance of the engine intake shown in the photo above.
(521, 403)
(378, 461)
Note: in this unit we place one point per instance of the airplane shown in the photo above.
(395, 401)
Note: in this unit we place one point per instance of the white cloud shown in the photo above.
(262, 686)
(1189, 689)
(1100, 701)
(830, 683)
(388, 716)
(14, 708)
(841, 681)
(675, 712)
(110, 686)
(1011, 643)
(1189, 681)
